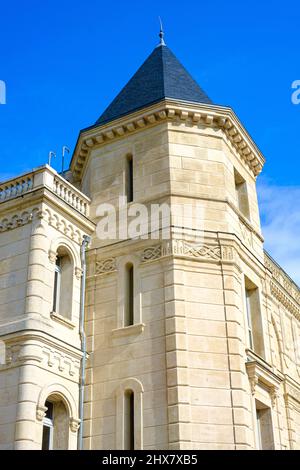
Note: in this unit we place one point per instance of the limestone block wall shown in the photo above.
(35, 366)
(120, 354)
(14, 251)
(104, 178)
(202, 164)
(282, 303)
(9, 380)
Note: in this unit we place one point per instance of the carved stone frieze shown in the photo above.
(187, 249)
(107, 265)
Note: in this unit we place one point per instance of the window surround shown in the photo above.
(137, 388)
(247, 286)
(261, 377)
(138, 325)
(128, 178)
(264, 427)
(62, 320)
(60, 392)
(61, 244)
(260, 373)
(241, 193)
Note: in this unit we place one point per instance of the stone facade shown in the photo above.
(202, 375)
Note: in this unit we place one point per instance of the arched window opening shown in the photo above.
(129, 295)
(129, 420)
(55, 425)
(129, 178)
(63, 284)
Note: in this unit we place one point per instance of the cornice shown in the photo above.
(44, 213)
(281, 278)
(278, 292)
(192, 114)
(259, 372)
(38, 348)
(292, 390)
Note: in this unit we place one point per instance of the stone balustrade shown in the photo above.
(69, 194)
(45, 177)
(16, 187)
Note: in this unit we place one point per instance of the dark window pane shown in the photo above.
(46, 438)
(49, 412)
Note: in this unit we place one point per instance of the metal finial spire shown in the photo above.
(51, 154)
(161, 33)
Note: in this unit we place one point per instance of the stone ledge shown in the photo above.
(64, 321)
(128, 330)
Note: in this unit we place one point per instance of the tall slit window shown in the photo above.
(129, 295)
(55, 425)
(254, 319)
(63, 285)
(241, 194)
(57, 285)
(264, 427)
(129, 420)
(129, 178)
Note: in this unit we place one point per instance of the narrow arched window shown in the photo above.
(129, 178)
(129, 295)
(129, 420)
(63, 285)
(55, 425)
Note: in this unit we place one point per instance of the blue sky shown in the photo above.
(64, 61)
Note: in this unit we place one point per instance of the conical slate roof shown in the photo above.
(161, 76)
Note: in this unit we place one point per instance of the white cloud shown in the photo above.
(280, 217)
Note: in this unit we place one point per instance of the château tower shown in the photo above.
(190, 338)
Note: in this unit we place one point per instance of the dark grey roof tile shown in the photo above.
(161, 76)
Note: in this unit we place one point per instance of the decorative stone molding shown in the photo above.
(62, 392)
(78, 273)
(12, 354)
(106, 266)
(64, 321)
(246, 234)
(74, 424)
(290, 305)
(189, 250)
(259, 373)
(62, 225)
(285, 288)
(253, 382)
(60, 362)
(128, 330)
(52, 256)
(292, 392)
(40, 412)
(152, 253)
(17, 354)
(204, 251)
(19, 219)
(171, 110)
